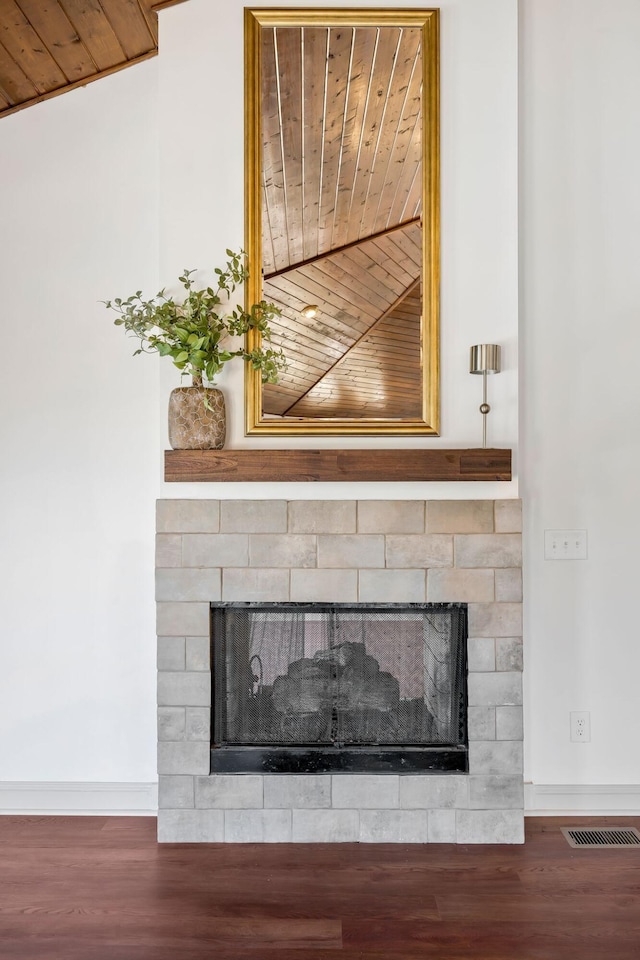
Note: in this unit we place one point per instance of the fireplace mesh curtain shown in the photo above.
(298, 675)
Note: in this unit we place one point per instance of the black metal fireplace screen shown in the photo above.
(311, 688)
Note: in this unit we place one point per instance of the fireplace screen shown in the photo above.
(340, 687)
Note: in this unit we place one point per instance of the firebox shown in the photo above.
(348, 688)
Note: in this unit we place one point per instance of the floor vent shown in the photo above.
(601, 836)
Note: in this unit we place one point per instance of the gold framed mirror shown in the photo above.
(342, 217)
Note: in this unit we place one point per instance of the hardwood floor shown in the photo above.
(100, 888)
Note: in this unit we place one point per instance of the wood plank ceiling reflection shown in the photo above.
(50, 46)
(342, 194)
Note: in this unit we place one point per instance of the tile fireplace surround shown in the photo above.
(340, 551)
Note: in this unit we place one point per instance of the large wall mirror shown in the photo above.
(342, 217)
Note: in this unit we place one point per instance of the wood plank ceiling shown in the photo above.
(50, 46)
(341, 218)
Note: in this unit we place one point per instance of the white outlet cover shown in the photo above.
(565, 544)
(580, 724)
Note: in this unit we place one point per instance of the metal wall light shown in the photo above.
(484, 359)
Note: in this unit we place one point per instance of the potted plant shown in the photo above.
(195, 331)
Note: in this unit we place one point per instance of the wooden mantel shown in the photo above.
(334, 465)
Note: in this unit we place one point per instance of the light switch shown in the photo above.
(565, 544)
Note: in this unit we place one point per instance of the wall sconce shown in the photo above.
(484, 359)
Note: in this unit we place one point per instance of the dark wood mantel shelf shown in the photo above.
(330, 465)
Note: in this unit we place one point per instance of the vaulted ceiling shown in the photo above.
(50, 46)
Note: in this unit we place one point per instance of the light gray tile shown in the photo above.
(508, 515)
(198, 653)
(509, 653)
(393, 826)
(351, 550)
(198, 723)
(253, 516)
(168, 550)
(495, 689)
(496, 793)
(490, 826)
(332, 586)
(182, 758)
(509, 723)
(488, 550)
(183, 619)
(495, 619)
(172, 723)
(322, 516)
(391, 586)
(499, 757)
(481, 723)
(481, 654)
(390, 516)
(190, 826)
(364, 791)
(419, 551)
(255, 584)
(433, 791)
(216, 550)
(184, 689)
(229, 791)
(460, 516)
(291, 791)
(186, 516)
(175, 793)
(442, 826)
(466, 586)
(282, 550)
(509, 584)
(171, 653)
(187, 585)
(257, 826)
(326, 826)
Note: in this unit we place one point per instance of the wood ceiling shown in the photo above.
(50, 46)
(341, 218)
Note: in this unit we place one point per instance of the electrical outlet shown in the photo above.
(580, 726)
(565, 544)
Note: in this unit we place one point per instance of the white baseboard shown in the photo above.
(79, 798)
(580, 800)
(141, 799)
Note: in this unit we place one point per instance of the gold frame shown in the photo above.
(428, 20)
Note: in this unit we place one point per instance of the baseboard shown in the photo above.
(79, 798)
(581, 800)
(141, 799)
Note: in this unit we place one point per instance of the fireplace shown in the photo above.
(351, 688)
(334, 553)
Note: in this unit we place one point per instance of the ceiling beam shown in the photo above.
(347, 246)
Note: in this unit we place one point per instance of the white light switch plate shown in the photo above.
(565, 544)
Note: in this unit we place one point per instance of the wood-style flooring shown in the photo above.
(100, 888)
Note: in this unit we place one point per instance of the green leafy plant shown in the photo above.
(194, 330)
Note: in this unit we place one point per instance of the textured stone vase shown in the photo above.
(192, 426)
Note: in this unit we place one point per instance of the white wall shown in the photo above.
(79, 435)
(122, 184)
(118, 187)
(580, 223)
(84, 216)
